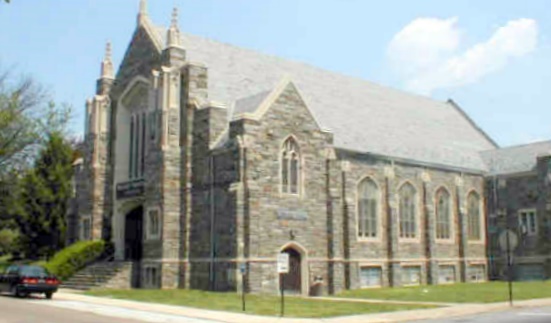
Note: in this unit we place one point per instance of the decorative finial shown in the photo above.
(143, 7)
(108, 51)
(107, 63)
(174, 22)
(173, 34)
(143, 11)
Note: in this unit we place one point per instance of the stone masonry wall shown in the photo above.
(387, 250)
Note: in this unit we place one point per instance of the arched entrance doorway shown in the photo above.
(133, 242)
(292, 281)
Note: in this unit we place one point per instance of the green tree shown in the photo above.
(45, 192)
(27, 117)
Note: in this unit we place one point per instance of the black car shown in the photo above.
(22, 280)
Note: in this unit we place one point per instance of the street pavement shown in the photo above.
(40, 310)
(524, 315)
(69, 307)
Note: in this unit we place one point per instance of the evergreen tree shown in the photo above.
(45, 192)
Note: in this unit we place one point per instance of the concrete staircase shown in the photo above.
(116, 274)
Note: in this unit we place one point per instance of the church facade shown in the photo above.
(204, 161)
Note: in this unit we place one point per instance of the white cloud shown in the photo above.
(426, 52)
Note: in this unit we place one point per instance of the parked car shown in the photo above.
(22, 280)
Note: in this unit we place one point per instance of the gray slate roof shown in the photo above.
(515, 159)
(363, 116)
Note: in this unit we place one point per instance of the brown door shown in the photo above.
(292, 280)
(133, 243)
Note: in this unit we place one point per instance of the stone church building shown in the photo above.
(202, 158)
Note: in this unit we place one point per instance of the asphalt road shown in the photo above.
(523, 315)
(40, 310)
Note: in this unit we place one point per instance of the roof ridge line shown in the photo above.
(539, 142)
(473, 123)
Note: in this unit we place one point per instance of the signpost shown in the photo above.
(243, 270)
(508, 241)
(282, 269)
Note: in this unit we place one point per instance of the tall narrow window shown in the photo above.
(142, 157)
(473, 215)
(368, 197)
(527, 222)
(408, 211)
(137, 146)
(443, 211)
(290, 167)
(131, 154)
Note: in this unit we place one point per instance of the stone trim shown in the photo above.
(148, 235)
(353, 260)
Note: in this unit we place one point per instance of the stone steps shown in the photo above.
(96, 275)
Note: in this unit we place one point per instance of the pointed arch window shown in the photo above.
(290, 167)
(473, 216)
(408, 211)
(368, 207)
(443, 214)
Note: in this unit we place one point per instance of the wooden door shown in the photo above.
(292, 281)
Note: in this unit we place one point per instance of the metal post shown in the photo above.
(282, 294)
(243, 290)
(509, 268)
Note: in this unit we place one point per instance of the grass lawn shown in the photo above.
(256, 304)
(458, 293)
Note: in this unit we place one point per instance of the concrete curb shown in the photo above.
(230, 317)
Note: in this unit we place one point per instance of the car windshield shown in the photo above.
(33, 271)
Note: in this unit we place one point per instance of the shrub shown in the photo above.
(8, 239)
(68, 261)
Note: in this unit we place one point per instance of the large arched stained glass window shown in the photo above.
(408, 211)
(368, 208)
(290, 167)
(443, 214)
(473, 216)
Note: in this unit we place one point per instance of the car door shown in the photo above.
(4, 278)
(12, 274)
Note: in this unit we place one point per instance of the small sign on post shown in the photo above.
(282, 269)
(283, 263)
(243, 270)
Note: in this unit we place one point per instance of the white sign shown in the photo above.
(513, 240)
(283, 263)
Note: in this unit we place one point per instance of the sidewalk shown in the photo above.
(231, 317)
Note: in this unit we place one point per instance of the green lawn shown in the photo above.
(256, 304)
(458, 293)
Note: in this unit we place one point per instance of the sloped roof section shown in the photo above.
(363, 116)
(515, 159)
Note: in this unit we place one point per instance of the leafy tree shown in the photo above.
(27, 116)
(45, 191)
(8, 240)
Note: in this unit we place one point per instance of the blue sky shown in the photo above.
(491, 57)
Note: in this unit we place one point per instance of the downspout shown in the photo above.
(495, 211)
(427, 236)
(212, 224)
(389, 245)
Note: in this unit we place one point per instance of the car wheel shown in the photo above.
(13, 290)
(49, 295)
(20, 294)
